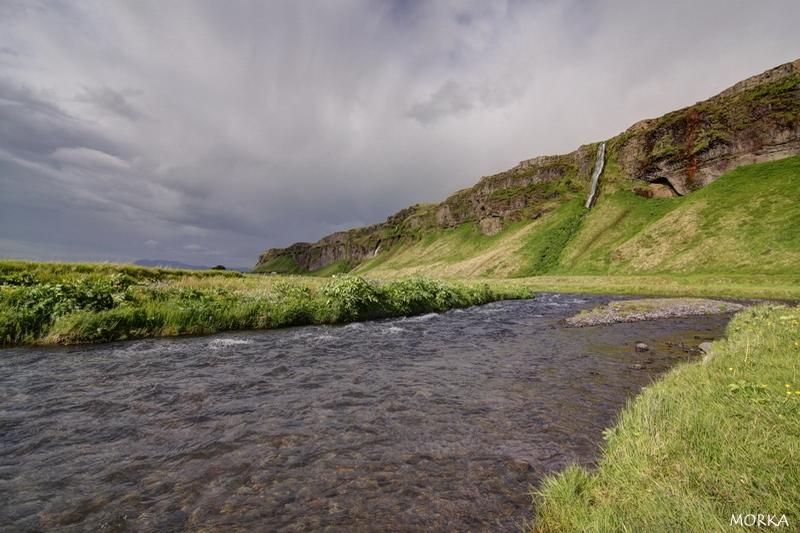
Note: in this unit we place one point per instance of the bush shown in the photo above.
(352, 298)
(32, 307)
(417, 295)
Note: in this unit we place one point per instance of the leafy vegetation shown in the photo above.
(68, 303)
(669, 466)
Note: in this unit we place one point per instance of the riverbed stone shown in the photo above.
(642, 347)
(522, 465)
(705, 347)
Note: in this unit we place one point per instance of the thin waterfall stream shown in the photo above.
(599, 163)
(439, 422)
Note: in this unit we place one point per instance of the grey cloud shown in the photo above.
(22, 95)
(453, 98)
(116, 102)
(34, 124)
(89, 158)
(450, 99)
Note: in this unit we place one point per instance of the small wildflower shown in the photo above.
(788, 386)
(730, 368)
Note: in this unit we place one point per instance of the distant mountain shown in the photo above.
(158, 263)
(530, 220)
(169, 264)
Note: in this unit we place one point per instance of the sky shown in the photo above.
(207, 132)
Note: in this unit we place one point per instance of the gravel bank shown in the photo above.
(650, 309)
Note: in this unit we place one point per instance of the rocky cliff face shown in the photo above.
(756, 120)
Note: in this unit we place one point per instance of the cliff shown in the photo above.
(754, 121)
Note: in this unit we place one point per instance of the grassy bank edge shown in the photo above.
(711, 441)
(63, 303)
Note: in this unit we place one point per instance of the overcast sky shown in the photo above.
(209, 131)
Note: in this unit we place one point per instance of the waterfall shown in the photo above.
(375, 253)
(598, 169)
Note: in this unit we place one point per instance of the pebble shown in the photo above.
(522, 465)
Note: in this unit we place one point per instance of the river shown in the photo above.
(441, 422)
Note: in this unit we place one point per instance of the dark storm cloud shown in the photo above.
(207, 132)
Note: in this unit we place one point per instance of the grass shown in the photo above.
(668, 466)
(783, 287)
(280, 265)
(62, 303)
(745, 224)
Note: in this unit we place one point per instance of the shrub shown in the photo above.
(32, 307)
(352, 298)
(417, 295)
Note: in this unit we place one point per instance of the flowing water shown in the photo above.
(441, 422)
(599, 162)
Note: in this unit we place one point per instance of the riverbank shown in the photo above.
(67, 303)
(713, 444)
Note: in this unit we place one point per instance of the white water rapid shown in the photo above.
(598, 169)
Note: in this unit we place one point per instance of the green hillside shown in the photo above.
(745, 223)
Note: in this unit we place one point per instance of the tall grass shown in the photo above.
(710, 442)
(62, 303)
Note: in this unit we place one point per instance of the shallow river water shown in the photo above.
(441, 422)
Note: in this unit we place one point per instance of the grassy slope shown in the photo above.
(280, 265)
(746, 222)
(669, 466)
(743, 229)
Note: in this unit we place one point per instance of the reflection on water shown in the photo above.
(432, 423)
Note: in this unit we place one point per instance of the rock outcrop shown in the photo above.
(754, 121)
